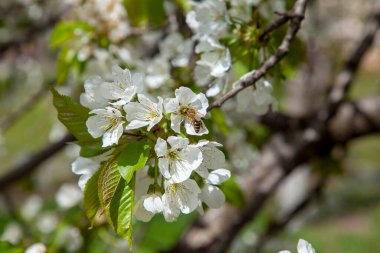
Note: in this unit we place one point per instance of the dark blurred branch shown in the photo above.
(6, 123)
(33, 32)
(277, 225)
(346, 76)
(285, 17)
(26, 168)
(252, 77)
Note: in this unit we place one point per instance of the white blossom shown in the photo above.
(106, 122)
(208, 17)
(183, 197)
(213, 158)
(211, 194)
(148, 206)
(179, 160)
(214, 55)
(36, 248)
(68, 195)
(157, 72)
(86, 167)
(256, 100)
(189, 108)
(124, 86)
(92, 97)
(143, 113)
(302, 247)
(177, 49)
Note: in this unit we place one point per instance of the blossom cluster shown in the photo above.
(186, 172)
(302, 247)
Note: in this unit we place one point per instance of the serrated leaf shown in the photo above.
(66, 31)
(91, 203)
(74, 117)
(134, 157)
(120, 211)
(232, 191)
(108, 182)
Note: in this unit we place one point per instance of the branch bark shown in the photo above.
(27, 167)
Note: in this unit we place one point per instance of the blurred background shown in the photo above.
(41, 202)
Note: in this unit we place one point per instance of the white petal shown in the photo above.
(171, 105)
(112, 136)
(161, 147)
(153, 204)
(95, 125)
(189, 196)
(212, 196)
(163, 165)
(218, 176)
(304, 247)
(134, 124)
(184, 95)
(176, 121)
(177, 142)
(141, 213)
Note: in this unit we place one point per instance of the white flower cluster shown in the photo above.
(302, 247)
(187, 173)
(108, 17)
(209, 21)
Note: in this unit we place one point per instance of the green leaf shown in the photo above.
(234, 195)
(7, 247)
(91, 203)
(66, 31)
(120, 211)
(134, 157)
(74, 117)
(108, 182)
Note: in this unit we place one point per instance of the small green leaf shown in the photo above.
(66, 31)
(91, 201)
(234, 194)
(74, 117)
(108, 181)
(134, 157)
(120, 211)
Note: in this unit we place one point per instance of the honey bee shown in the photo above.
(194, 118)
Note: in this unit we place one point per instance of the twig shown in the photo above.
(285, 17)
(346, 76)
(12, 118)
(252, 77)
(276, 226)
(27, 167)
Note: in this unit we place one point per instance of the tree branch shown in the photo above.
(27, 167)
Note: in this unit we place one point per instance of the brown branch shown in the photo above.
(276, 226)
(346, 76)
(6, 123)
(252, 77)
(31, 33)
(27, 167)
(285, 17)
